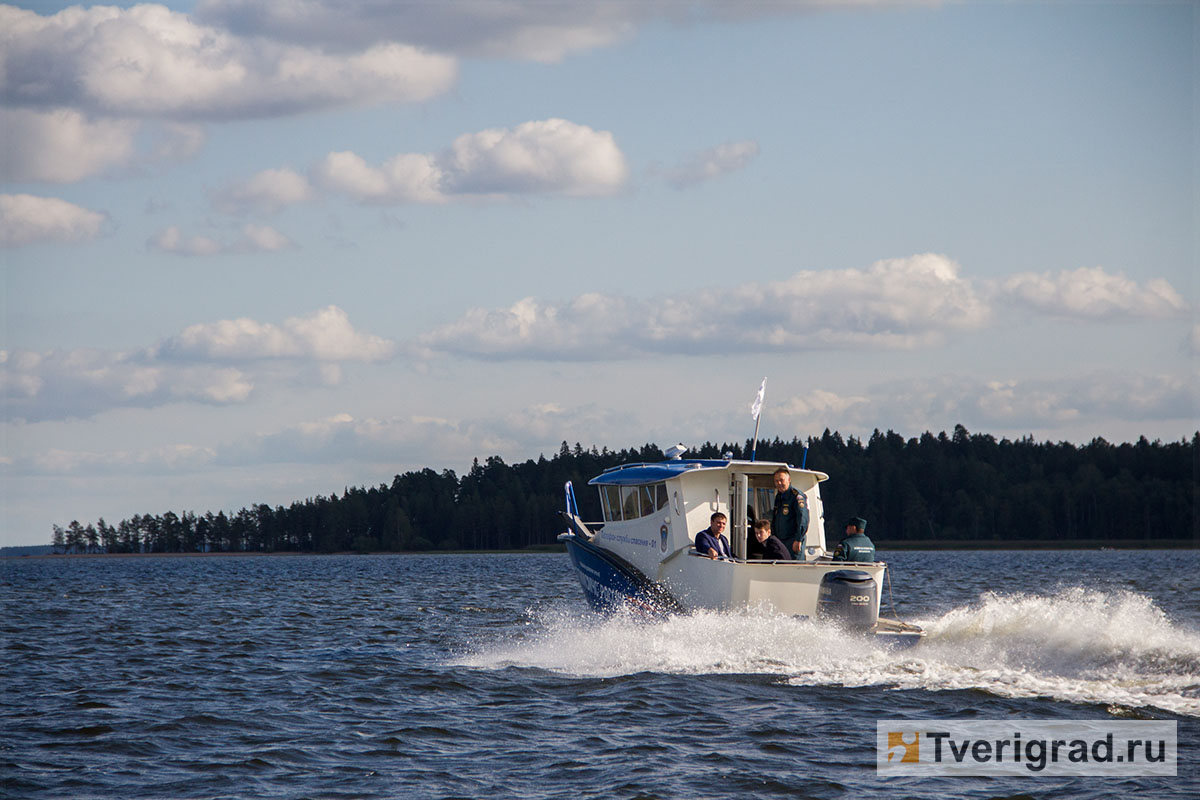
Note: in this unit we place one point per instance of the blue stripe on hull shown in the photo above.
(610, 583)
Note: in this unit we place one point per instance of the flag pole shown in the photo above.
(754, 447)
(756, 410)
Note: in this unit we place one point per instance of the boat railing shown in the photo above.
(572, 506)
(692, 551)
(620, 467)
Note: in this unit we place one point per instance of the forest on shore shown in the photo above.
(951, 489)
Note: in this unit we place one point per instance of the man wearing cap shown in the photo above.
(790, 519)
(856, 546)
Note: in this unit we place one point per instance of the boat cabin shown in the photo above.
(643, 556)
(653, 511)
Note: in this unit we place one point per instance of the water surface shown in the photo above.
(484, 676)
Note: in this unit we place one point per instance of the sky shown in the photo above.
(254, 252)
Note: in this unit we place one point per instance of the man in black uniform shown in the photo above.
(790, 520)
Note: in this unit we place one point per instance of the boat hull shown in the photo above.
(611, 583)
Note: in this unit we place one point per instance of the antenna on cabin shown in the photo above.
(676, 451)
(756, 412)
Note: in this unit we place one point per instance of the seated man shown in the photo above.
(754, 550)
(773, 549)
(712, 542)
(856, 546)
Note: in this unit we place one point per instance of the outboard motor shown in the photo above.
(849, 596)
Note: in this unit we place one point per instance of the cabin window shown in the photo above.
(764, 505)
(631, 502)
(610, 499)
(630, 507)
(647, 493)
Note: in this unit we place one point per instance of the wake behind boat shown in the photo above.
(643, 554)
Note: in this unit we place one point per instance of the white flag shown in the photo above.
(756, 406)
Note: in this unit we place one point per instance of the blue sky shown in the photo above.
(253, 252)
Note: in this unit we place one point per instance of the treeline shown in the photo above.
(958, 487)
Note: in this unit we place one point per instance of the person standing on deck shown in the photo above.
(790, 519)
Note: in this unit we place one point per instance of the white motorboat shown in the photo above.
(642, 553)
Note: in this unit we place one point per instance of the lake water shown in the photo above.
(484, 676)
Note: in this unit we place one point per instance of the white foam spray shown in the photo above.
(1113, 648)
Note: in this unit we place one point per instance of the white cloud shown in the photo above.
(265, 192)
(325, 335)
(535, 31)
(542, 427)
(897, 303)
(172, 240)
(342, 438)
(939, 403)
(253, 239)
(818, 404)
(505, 29)
(712, 163)
(234, 59)
(553, 156)
(29, 219)
(264, 238)
(148, 61)
(903, 303)
(413, 439)
(405, 178)
(61, 145)
(548, 156)
(1122, 396)
(153, 461)
(80, 383)
(1091, 293)
(219, 363)
(1010, 407)
(18, 376)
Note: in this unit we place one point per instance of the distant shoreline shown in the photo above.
(920, 545)
(1041, 544)
(287, 553)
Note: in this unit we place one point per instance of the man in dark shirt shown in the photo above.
(754, 550)
(856, 546)
(790, 519)
(712, 542)
(772, 548)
